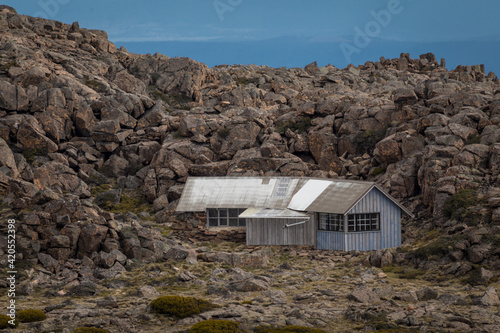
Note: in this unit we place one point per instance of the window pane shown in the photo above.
(223, 221)
(233, 213)
(242, 222)
(233, 221)
(323, 221)
(212, 212)
(351, 223)
(213, 222)
(223, 212)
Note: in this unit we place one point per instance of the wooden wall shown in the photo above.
(389, 235)
(271, 232)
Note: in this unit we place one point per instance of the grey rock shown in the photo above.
(362, 294)
(83, 289)
(489, 298)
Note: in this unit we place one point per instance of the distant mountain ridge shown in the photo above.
(298, 52)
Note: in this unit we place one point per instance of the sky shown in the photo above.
(355, 26)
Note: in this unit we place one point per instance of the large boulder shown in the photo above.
(7, 160)
(91, 238)
(362, 294)
(12, 98)
(323, 147)
(32, 137)
(53, 175)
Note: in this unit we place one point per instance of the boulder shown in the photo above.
(248, 285)
(91, 239)
(148, 292)
(83, 289)
(32, 137)
(7, 160)
(53, 175)
(12, 98)
(362, 294)
(489, 298)
(323, 147)
(426, 294)
(49, 263)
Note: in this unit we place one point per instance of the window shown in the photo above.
(225, 217)
(331, 222)
(363, 222)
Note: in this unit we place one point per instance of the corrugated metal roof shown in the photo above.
(336, 196)
(234, 192)
(270, 213)
(328, 196)
(310, 191)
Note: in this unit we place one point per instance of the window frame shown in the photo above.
(224, 217)
(330, 222)
(363, 222)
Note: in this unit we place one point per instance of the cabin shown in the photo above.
(328, 214)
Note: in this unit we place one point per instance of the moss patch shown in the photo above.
(300, 125)
(29, 154)
(215, 326)
(131, 203)
(90, 330)
(96, 86)
(437, 248)
(366, 141)
(378, 171)
(287, 329)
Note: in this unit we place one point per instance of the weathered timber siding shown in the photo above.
(390, 227)
(271, 232)
(390, 224)
(330, 240)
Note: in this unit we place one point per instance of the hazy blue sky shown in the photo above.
(421, 20)
(249, 20)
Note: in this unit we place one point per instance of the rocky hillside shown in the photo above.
(96, 144)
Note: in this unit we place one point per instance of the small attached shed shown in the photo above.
(325, 213)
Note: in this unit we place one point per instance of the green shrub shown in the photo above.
(378, 171)
(243, 81)
(366, 141)
(90, 330)
(474, 278)
(96, 86)
(131, 203)
(100, 189)
(301, 125)
(437, 248)
(4, 322)
(287, 329)
(8, 65)
(175, 100)
(455, 206)
(181, 307)
(29, 154)
(224, 133)
(411, 274)
(473, 140)
(31, 315)
(215, 326)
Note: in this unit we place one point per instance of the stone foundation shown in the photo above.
(192, 226)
